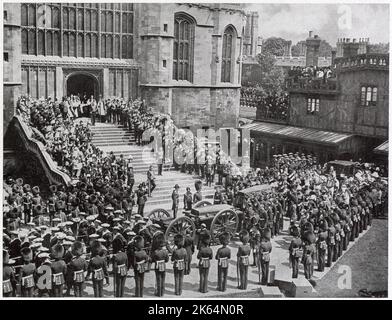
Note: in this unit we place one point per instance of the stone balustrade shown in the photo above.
(54, 175)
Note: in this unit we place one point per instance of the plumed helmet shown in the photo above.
(179, 240)
(267, 233)
(95, 247)
(295, 231)
(224, 238)
(244, 236)
(27, 254)
(57, 251)
(77, 248)
(117, 245)
(139, 241)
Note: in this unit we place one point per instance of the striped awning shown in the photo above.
(298, 133)
(382, 148)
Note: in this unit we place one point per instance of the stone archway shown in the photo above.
(82, 84)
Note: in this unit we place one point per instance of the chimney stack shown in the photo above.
(310, 34)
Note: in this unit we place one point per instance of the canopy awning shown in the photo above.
(382, 148)
(298, 133)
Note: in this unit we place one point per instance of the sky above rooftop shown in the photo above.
(329, 21)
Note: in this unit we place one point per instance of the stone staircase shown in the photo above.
(105, 134)
(116, 139)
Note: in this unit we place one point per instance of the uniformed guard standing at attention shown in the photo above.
(330, 242)
(9, 280)
(59, 270)
(76, 268)
(160, 256)
(223, 256)
(322, 246)
(120, 267)
(176, 200)
(140, 262)
(308, 256)
(204, 255)
(265, 251)
(179, 257)
(243, 260)
(28, 273)
(190, 249)
(295, 251)
(98, 268)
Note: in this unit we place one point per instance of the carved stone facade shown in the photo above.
(57, 49)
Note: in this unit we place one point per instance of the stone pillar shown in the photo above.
(105, 83)
(60, 85)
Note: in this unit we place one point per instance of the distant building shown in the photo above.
(183, 59)
(251, 48)
(309, 54)
(343, 117)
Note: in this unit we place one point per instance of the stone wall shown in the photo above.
(194, 103)
(12, 67)
(342, 111)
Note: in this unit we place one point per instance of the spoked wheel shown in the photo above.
(202, 203)
(224, 221)
(158, 214)
(181, 225)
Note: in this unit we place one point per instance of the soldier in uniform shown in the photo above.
(175, 200)
(265, 251)
(188, 199)
(120, 267)
(322, 246)
(190, 249)
(204, 255)
(197, 196)
(330, 242)
(98, 268)
(151, 179)
(160, 257)
(76, 268)
(295, 251)
(27, 273)
(9, 280)
(59, 270)
(141, 199)
(243, 260)
(223, 256)
(179, 258)
(140, 260)
(308, 256)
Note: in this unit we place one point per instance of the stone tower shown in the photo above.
(312, 49)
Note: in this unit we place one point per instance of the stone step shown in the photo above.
(111, 140)
(113, 134)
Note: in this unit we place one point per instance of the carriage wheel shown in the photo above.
(158, 214)
(201, 203)
(182, 225)
(224, 221)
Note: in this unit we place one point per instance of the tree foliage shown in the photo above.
(325, 49)
(379, 48)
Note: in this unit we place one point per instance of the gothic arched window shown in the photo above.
(228, 47)
(184, 34)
